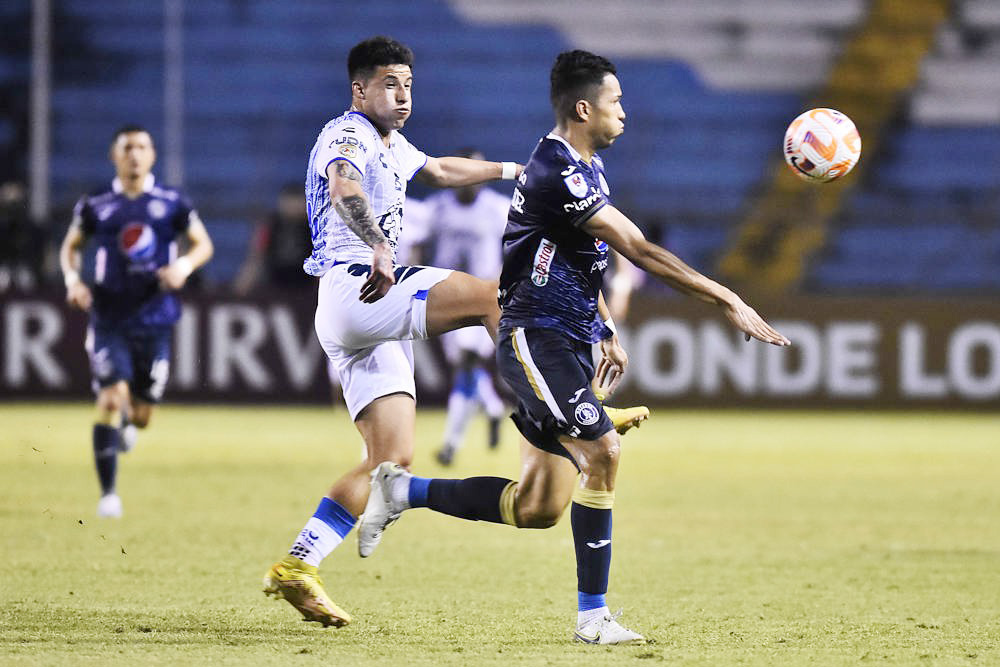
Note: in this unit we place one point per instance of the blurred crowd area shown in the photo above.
(709, 88)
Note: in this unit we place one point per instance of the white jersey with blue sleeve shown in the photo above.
(385, 172)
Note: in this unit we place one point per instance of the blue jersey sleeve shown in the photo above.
(83, 215)
(184, 214)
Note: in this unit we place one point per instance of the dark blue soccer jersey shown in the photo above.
(133, 238)
(552, 269)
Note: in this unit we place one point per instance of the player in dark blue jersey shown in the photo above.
(560, 225)
(134, 224)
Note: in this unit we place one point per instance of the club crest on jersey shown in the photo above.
(577, 185)
(586, 414)
(543, 262)
(137, 242)
(156, 209)
(348, 150)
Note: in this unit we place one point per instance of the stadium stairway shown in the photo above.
(789, 220)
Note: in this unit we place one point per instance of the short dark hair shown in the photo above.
(129, 128)
(376, 52)
(575, 76)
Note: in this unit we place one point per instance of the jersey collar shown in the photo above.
(572, 151)
(147, 184)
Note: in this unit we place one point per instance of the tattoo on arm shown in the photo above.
(355, 211)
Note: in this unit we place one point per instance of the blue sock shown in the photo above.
(418, 491)
(106, 440)
(592, 539)
(335, 515)
(588, 601)
(465, 384)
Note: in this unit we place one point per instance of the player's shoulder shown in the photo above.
(351, 124)
(553, 150)
(349, 135)
(552, 160)
(167, 192)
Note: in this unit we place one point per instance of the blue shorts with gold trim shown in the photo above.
(550, 373)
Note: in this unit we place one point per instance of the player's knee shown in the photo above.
(603, 457)
(110, 400)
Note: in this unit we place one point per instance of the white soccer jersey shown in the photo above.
(468, 237)
(386, 171)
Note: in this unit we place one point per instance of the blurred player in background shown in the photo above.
(560, 225)
(280, 243)
(134, 224)
(464, 228)
(369, 308)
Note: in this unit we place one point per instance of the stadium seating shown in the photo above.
(709, 88)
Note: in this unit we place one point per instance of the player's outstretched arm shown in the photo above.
(613, 227)
(349, 200)
(453, 172)
(77, 293)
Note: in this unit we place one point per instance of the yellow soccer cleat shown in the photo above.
(300, 584)
(625, 419)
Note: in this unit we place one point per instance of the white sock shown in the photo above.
(459, 411)
(584, 617)
(492, 403)
(315, 542)
(400, 492)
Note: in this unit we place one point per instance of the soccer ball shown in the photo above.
(821, 145)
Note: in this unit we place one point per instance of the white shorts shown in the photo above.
(467, 339)
(369, 343)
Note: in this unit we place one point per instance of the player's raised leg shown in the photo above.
(462, 300)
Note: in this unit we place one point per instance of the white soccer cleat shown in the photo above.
(129, 434)
(109, 507)
(607, 630)
(380, 510)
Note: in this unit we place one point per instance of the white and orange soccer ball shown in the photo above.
(821, 145)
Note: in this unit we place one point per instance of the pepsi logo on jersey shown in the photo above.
(137, 242)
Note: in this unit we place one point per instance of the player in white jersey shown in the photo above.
(468, 224)
(368, 308)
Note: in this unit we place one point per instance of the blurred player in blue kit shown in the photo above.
(555, 251)
(135, 224)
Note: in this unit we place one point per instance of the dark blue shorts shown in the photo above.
(550, 373)
(140, 357)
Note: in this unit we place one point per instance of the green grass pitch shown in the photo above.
(759, 538)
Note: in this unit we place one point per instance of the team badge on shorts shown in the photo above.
(587, 414)
(577, 185)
